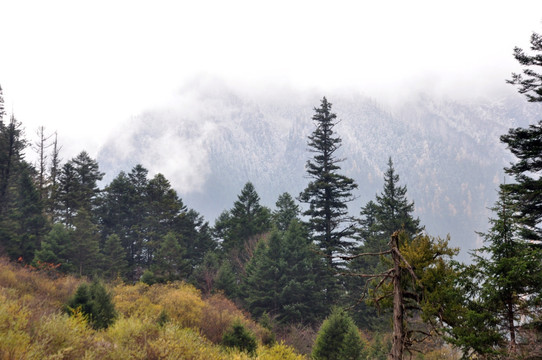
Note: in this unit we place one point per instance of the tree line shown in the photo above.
(298, 261)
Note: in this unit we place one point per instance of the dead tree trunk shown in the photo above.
(398, 309)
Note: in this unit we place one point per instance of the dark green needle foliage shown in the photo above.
(95, 303)
(239, 337)
(328, 192)
(338, 339)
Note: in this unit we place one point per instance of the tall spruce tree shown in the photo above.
(511, 270)
(329, 192)
(526, 145)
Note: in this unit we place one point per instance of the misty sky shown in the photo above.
(84, 68)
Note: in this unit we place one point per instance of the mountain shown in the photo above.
(212, 139)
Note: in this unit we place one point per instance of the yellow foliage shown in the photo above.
(278, 352)
(14, 339)
(182, 303)
(183, 343)
(59, 336)
(33, 326)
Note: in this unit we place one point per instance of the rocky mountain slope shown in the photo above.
(214, 139)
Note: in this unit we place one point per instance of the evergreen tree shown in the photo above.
(56, 248)
(12, 144)
(245, 220)
(95, 303)
(169, 262)
(526, 192)
(114, 262)
(195, 238)
(338, 339)
(525, 144)
(391, 211)
(164, 209)
(329, 192)
(22, 225)
(67, 195)
(511, 274)
(239, 337)
(88, 175)
(282, 278)
(85, 247)
(287, 211)
(78, 187)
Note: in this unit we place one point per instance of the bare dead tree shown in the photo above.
(40, 146)
(402, 337)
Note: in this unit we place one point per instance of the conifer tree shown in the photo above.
(510, 274)
(287, 211)
(85, 247)
(329, 192)
(526, 192)
(245, 220)
(170, 262)
(12, 144)
(283, 278)
(22, 224)
(95, 303)
(114, 262)
(338, 339)
(391, 211)
(56, 248)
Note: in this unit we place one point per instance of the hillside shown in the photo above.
(212, 139)
(154, 322)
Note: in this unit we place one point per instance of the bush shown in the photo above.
(95, 303)
(240, 338)
(338, 338)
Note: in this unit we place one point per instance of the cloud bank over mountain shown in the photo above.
(213, 138)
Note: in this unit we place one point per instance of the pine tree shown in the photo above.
(329, 192)
(12, 144)
(511, 273)
(88, 175)
(114, 262)
(393, 210)
(282, 278)
(169, 262)
(85, 247)
(164, 209)
(525, 144)
(56, 248)
(95, 303)
(338, 339)
(287, 211)
(526, 192)
(245, 220)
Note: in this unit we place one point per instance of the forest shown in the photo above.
(129, 271)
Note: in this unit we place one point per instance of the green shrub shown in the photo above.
(94, 302)
(338, 338)
(240, 338)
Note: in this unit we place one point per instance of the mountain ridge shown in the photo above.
(213, 139)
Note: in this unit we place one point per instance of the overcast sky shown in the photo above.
(83, 68)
